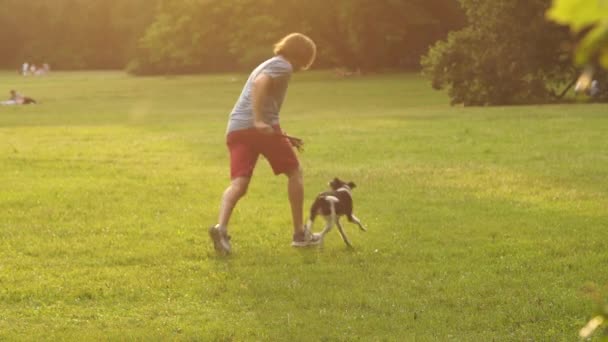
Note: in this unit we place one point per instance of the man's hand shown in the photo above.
(263, 127)
(295, 142)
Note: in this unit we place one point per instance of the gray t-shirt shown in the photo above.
(241, 117)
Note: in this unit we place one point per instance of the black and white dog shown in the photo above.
(333, 204)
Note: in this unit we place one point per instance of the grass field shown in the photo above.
(485, 224)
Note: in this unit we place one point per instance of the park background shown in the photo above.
(485, 222)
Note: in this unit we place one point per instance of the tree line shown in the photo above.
(167, 36)
(482, 52)
(211, 35)
(72, 34)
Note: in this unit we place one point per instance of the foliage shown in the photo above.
(74, 34)
(507, 55)
(184, 37)
(212, 35)
(165, 36)
(589, 17)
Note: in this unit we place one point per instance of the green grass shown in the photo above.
(484, 223)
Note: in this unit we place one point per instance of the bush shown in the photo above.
(509, 54)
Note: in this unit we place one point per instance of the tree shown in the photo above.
(163, 36)
(356, 34)
(508, 54)
(72, 34)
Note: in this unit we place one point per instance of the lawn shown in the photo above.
(483, 223)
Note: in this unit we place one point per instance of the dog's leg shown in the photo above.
(354, 219)
(344, 237)
(329, 224)
(331, 200)
(314, 211)
(310, 222)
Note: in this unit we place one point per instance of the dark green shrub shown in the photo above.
(508, 54)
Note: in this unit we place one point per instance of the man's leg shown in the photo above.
(295, 190)
(283, 160)
(219, 232)
(234, 192)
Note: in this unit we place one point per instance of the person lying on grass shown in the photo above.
(253, 129)
(17, 99)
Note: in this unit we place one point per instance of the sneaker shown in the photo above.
(306, 239)
(221, 240)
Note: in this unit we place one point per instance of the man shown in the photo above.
(253, 129)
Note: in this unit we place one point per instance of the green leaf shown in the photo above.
(578, 13)
(604, 58)
(594, 41)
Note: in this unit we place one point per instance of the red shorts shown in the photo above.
(246, 145)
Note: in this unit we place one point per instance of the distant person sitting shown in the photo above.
(344, 72)
(594, 89)
(40, 71)
(17, 99)
(43, 70)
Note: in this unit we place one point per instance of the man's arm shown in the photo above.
(261, 88)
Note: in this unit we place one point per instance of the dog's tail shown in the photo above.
(332, 200)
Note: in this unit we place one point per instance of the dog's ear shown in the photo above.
(351, 185)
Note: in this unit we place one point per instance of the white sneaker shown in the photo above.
(306, 239)
(221, 240)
